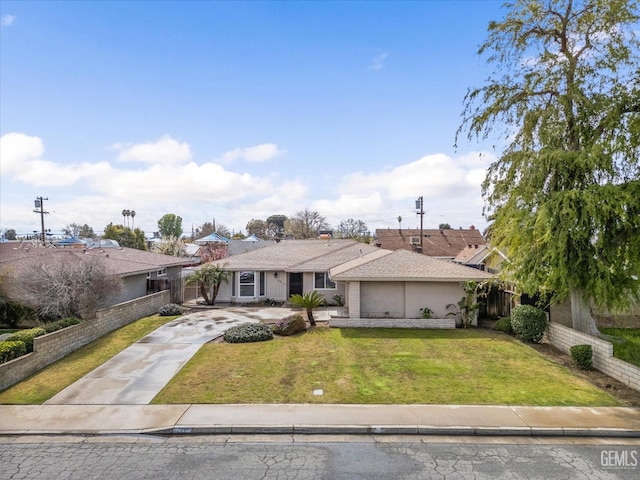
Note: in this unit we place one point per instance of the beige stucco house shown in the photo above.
(372, 282)
(398, 284)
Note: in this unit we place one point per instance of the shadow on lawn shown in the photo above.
(459, 334)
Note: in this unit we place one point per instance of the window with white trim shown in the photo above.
(321, 281)
(247, 284)
(162, 272)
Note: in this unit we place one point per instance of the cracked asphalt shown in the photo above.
(219, 458)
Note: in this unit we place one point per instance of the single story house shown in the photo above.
(142, 272)
(398, 284)
(288, 267)
(371, 282)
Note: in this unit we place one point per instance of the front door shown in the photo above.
(295, 283)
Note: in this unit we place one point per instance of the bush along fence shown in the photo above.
(563, 338)
(53, 346)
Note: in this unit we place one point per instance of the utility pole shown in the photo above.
(39, 203)
(420, 211)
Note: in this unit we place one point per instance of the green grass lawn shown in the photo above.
(44, 384)
(629, 349)
(380, 366)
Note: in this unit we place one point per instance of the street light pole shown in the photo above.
(420, 211)
(39, 203)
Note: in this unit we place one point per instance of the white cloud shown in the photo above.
(258, 153)
(21, 154)
(377, 63)
(165, 151)
(16, 149)
(7, 20)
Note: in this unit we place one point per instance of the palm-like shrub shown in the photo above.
(308, 301)
(209, 275)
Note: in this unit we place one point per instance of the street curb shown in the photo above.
(397, 430)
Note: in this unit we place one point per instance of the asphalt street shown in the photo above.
(224, 458)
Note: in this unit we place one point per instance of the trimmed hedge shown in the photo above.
(60, 324)
(27, 337)
(289, 325)
(583, 356)
(504, 325)
(248, 332)
(170, 309)
(11, 349)
(528, 323)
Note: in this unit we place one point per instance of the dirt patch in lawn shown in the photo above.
(626, 395)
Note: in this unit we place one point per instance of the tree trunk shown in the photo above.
(312, 320)
(581, 318)
(203, 292)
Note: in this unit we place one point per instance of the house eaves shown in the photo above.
(403, 265)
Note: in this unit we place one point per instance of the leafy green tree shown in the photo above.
(308, 301)
(258, 228)
(170, 225)
(306, 224)
(10, 234)
(564, 196)
(444, 226)
(125, 236)
(275, 225)
(209, 277)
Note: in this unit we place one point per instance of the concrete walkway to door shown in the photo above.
(138, 373)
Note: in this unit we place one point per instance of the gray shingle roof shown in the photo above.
(297, 255)
(405, 265)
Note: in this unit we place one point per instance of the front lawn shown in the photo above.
(629, 349)
(380, 366)
(43, 385)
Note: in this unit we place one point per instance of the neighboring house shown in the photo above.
(397, 284)
(285, 268)
(445, 244)
(142, 272)
(482, 257)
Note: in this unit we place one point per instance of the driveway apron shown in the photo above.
(138, 373)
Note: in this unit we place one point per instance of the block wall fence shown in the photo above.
(432, 323)
(563, 338)
(53, 346)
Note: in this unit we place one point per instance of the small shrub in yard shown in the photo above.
(27, 337)
(60, 324)
(528, 323)
(248, 332)
(11, 350)
(504, 325)
(170, 310)
(583, 356)
(289, 325)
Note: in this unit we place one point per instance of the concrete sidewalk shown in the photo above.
(319, 419)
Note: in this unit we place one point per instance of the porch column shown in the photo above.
(354, 300)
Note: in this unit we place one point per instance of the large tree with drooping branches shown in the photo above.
(563, 198)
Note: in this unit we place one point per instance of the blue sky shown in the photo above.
(239, 110)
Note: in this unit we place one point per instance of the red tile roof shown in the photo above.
(435, 243)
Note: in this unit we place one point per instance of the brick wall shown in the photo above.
(564, 338)
(53, 346)
(435, 323)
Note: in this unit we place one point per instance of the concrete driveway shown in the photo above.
(138, 373)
